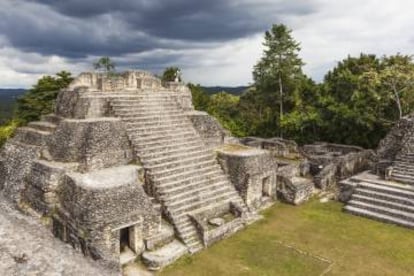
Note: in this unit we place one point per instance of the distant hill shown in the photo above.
(235, 90)
(7, 100)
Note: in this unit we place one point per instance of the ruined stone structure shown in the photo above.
(389, 195)
(126, 167)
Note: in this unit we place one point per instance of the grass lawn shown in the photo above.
(289, 240)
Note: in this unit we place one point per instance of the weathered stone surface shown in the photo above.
(164, 256)
(216, 221)
(28, 248)
(75, 168)
(100, 196)
(278, 146)
(93, 143)
(209, 128)
(252, 171)
(163, 237)
(16, 160)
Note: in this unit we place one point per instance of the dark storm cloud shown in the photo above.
(78, 28)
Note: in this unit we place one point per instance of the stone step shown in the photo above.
(188, 134)
(174, 157)
(213, 179)
(147, 105)
(162, 174)
(131, 123)
(394, 190)
(403, 171)
(402, 178)
(150, 155)
(153, 118)
(163, 147)
(184, 161)
(197, 197)
(52, 118)
(156, 118)
(378, 216)
(203, 186)
(184, 175)
(31, 136)
(189, 181)
(384, 203)
(217, 199)
(155, 129)
(137, 112)
(385, 196)
(42, 126)
(183, 217)
(382, 210)
(162, 134)
(167, 140)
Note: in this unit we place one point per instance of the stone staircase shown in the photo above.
(37, 133)
(185, 174)
(403, 168)
(384, 201)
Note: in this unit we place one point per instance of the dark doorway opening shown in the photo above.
(124, 239)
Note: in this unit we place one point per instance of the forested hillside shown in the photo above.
(8, 99)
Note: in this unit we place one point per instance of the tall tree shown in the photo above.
(280, 67)
(105, 64)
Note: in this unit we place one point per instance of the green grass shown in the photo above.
(355, 246)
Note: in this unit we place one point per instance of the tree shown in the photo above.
(171, 74)
(395, 80)
(105, 64)
(201, 100)
(280, 66)
(40, 99)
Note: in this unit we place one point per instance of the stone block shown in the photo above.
(93, 143)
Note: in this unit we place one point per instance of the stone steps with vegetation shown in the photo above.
(186, 176)
(387, 202)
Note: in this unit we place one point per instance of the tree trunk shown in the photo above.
(397, 100)
(280, 105)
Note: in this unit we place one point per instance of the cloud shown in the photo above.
(214, 42)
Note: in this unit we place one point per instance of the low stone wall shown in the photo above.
(344, 167)
(278, 146)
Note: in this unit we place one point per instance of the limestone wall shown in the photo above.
(251, 171)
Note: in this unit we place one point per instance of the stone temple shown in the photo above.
(126, 168)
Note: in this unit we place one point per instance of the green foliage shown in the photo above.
(278, 74)
(363, 96)
(201, 99)
(40, 99)
(6, 131)
(171, 73)
(105, 64)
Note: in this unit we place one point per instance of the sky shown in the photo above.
(214, 42)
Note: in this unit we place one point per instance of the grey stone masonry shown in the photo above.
(126, 168)
(380, 200)
(182, 173)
